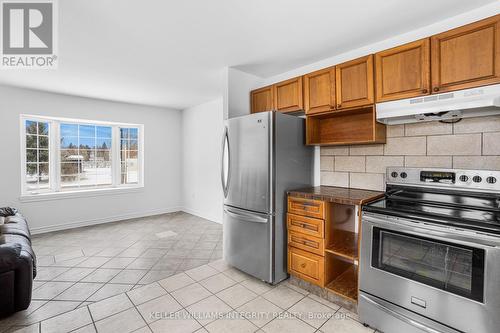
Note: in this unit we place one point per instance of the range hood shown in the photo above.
(475, 102)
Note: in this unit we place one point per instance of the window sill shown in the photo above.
(80, 194)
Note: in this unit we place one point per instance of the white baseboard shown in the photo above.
(202, 215)
(84, 223)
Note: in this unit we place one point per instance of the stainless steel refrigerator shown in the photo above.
(263, 156)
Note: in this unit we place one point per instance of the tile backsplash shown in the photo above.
(472, 143)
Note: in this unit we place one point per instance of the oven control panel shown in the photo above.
(438, 177)
(455, 178)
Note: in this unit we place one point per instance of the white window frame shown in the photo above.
(55, 190)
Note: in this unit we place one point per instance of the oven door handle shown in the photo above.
(400, 316)
(417, 228)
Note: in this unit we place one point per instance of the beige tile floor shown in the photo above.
(210, 297)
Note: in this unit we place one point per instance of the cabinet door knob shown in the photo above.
(303, 265)
(339, 105)
(424, 91)
(436, 89)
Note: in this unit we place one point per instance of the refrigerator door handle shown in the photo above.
(225, 176)
(244, 216)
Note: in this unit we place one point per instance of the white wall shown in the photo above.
(163, 159)
(202, 128)
(453, 22)
(237, 91)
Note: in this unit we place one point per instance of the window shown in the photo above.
(62, 155)
(37, 155)
(85, 155)
(129, 147)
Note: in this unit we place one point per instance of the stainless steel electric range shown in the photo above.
(430, 253)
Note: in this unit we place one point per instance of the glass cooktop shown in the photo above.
(464, 210)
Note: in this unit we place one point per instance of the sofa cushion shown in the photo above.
(15, 225)
(17, 262)
(23, 243)
(9, 255)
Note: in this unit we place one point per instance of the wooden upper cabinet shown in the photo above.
(262, 99)
(466, 57)
(403, 71)
(354, 80)
(288, 95)
(319, 91)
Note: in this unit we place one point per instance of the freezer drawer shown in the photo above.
(248, 242)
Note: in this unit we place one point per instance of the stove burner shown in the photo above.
(434, 202)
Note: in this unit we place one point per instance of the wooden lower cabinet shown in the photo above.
(306, 239)
(307, 266)
(324, 251)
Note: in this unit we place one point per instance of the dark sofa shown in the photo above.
(17, 262)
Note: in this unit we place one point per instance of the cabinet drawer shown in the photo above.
(306, 207)
(306, 225)
(306, 266)
(306, 242)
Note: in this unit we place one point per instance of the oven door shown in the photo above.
(455, 268)
(443, 274)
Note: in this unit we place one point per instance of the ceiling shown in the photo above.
(172, 53)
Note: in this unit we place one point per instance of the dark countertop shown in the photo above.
(341, 195)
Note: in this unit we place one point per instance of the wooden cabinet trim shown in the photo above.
(424, 68)
(363, 100)
(437, 62)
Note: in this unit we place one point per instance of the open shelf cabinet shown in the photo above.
(341, 277)
(345, 127)
(341, 251)
(343, 244)
(342, 231)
